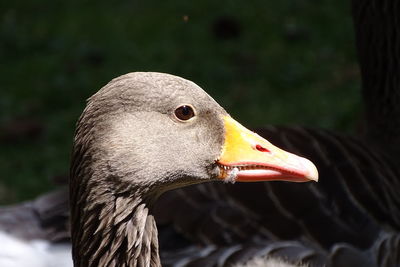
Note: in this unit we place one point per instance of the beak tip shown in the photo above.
(313, 178)
(312, 170)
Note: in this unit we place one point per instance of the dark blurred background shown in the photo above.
(267, 62)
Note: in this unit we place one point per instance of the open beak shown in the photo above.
(247, 157)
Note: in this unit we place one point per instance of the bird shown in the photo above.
(223, 224)
(357, 198)
(146, 133)
(349, 218)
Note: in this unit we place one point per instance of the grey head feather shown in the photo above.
(128, 149)
(128, 126)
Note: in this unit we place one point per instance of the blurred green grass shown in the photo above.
(274, 62)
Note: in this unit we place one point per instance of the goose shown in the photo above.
(267, 220)
(220, 224)
(139, 136)
(146, 133)
(356, 194)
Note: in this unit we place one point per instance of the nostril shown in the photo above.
(262, 149)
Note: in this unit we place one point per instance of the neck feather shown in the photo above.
(378, 46)
(111, 220)
(113, 230)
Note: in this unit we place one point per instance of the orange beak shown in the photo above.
(247, 157)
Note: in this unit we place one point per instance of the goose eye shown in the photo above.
(184, 113)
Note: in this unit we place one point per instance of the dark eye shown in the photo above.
(184, 113)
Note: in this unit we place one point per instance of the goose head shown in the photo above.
(161, 131)
(145, 133)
